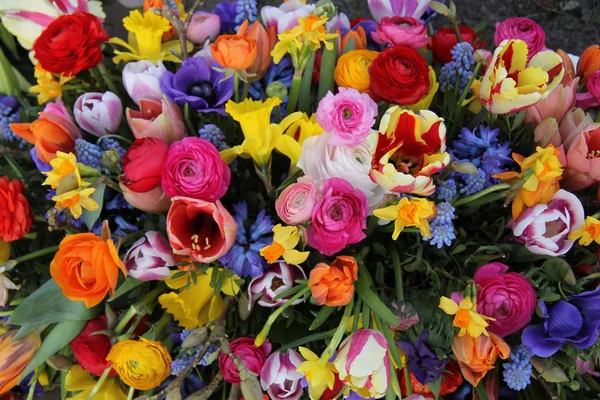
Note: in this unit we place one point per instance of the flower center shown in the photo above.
(347, 113)
(204, 90)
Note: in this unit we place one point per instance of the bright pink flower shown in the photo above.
(276, 279)
(253, 357)
(160, 120)
(150, 257)
(523, 29)
(296, 202)
(199, 229)
(98, 113)
(193, 168)
(388, 8)
(279, 377)
(581, 159)
(592, 97)
(348, 115)
(338, 219)
(406, 31)
(507, 297)
(58, 108)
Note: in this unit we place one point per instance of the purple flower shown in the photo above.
(198, 84)
(576, 322)
(150, 258)
(422, 361)
(279, 378)
(227, 12)
(277, 278)
(98, 113)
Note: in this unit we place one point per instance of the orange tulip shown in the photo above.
(569, 68)
(86, 267)
(333, 285)
(49, 133)
(235, 52)
(358, 36)
(477, 356)
(265, 41)
(589, 62)
(14, 357)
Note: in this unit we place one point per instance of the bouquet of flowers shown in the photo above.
(287, 204)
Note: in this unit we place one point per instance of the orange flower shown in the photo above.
(86, 268)
(358, 36)
(266, 41)
(477, 356)
(14, 357)
(589, 62)
(49, 133)
(333, 285)
(234, 51)
(16, 217)
(569, 68)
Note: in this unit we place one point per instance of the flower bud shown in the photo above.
(277, 89)
(66, 184)
(142, 80)
(482, 56)
(111, 160)
(203, 26)
(325, 7)
(98, 113)
(195, 338)
(60, 362)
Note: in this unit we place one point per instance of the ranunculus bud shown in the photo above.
(142, 80)
(296, 202)
(98, 113)
(150, 257)
(276, 279)
(279, 377)
(277, 89)
(203, 26)
(589, 62)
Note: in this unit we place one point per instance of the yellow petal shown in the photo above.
(448, 305)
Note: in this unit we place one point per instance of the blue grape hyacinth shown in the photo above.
(517, 372)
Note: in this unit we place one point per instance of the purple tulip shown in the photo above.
(422, 361)
(150, 258)
(198, 84)
(203, 26)
(142, 80)
(98, 113)
(576, 321)
(277, 278)
(544, 228)
(279, 378)
(400, 8)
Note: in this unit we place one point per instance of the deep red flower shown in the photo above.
(444, 40)
(143, 164)
(15, 215)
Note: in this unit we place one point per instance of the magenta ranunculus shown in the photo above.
(507, 297)
(405, 31)
(279, 377)
(338, 219)
(253, 357)
(523, 29)
(591, 98)
(296, 202)
(348, 115)
(150, 257)
(194, 169)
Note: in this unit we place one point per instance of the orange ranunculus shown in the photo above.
(358, 36)
(49, 133)
(477, 356)
(234, 51)
(333, 285)
(86, 268)
(589, 62)
(265, 40)
(14, 357)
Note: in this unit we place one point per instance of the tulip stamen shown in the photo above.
(207, 243)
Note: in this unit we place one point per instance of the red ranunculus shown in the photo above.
(444, 40)
(399, 75)
(15, 215)
(253, 357)
(71, 44)
(143, 164)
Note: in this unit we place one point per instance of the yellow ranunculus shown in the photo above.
(414, 212)
(352, 69)
(143, 364)
(285, 239)
(79, 380)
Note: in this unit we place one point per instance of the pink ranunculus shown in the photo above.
(348, 115)
(158, 119)
(401, 31)
(545, 228)
(193, 168)
(591, 98)
(150, 257)
(276, 279)
(279, 377)
(507, 297)
(556, 105)
(253, 357)
(338, 219)
(523, 29)
(199, 229)
(582, 159)
(203, 26)
(142, 80)
(296, 202)
(98, 113)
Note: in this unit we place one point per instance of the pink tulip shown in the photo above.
(592, 97)
(556, 105)
(405, 31)
(161, 120)
(98, 113)
(279, 377)
(150, 257)
(142, 80)
(203, 26)
(563, 132)
(277, 278)
(153, 201)
(582, 159)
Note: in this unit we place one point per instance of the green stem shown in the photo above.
(236, 87)
(106, 78)
(99, 384)
(127, 335)
(260, 339)
(294, 91)
(397, 273)
(131, 392)
(597, 215)
(479, 195)
(30, 235)
(339, 333)
(407, 381)
(36, 254)
(118, 137)
(278, 113)
(131, 312)
(187, 120)
(245, 90)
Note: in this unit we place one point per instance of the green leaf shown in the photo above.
(366, 315)
(321, 317)
(549, 370)
(305, 88)
(435, 387)
(90, 217)
(518, 120)
(550, 297)
(14, 165)
(9, 41)
(129, 284)
(349, 46)
(326, 82)
(291, 179)
(389, 335)
(48, 305)
(372, 301)
(59, 337)
(556, 269)
(480, 390)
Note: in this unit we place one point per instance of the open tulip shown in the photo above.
(150, 257)
(142, 80)
(402, 8)
(556, 105)
(157, 119)
(265, 39)
(98, 113)
(582, 159)
(333, 285)
(477, 356)
(277, 278)
(15, 355)
(589, 62)
(203, 26)
(279, 377)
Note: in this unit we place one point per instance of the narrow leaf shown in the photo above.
(321, 317)
(306, 86)
(326, 82)
(126, 286)
(372, 301)
(90, 217)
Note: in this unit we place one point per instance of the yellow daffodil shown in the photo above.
(414, 212)
(79, 380)
(285, 239)
(47, 86)
(588, 233)
(145, 39)
(65, 164)
(466, 316)
(540, 173)
(299, 131)
(319, 373)
(76, 200)
(197, 305)
(261, 137)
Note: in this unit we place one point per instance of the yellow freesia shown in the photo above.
(319, 373)
(65, 164)
(589, 232)
(285, 239)
(466, 317)
(414, 212)
(197, 305)
(76, 200)
(79, 380)
(47, 86)
(145, 39)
